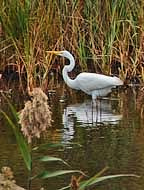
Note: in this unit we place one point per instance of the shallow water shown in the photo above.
(111, 135)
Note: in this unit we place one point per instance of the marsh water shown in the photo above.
(111, 135)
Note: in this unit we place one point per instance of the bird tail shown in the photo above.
(118, 81)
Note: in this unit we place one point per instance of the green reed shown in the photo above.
(100, 32)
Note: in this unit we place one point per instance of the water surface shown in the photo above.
(111, 135)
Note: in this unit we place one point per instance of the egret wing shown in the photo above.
(92, 81)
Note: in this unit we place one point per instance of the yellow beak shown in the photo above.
(54, 52)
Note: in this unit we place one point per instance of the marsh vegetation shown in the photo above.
(105, 37)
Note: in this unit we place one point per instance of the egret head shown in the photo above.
(64, 53)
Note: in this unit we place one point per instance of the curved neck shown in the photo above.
(69, 68)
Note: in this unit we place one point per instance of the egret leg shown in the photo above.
(86, 112)
(95, 110)
(100, 111)
(92, 110)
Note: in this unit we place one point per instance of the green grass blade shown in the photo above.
(48, 145)
(13, 110)
(50, 159)
(47, 174)
(54, 145)
(64, 188)
(95, 180)
(24, 149)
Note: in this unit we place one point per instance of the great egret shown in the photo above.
(91, 83)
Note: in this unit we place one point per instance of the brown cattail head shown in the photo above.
(35, 118)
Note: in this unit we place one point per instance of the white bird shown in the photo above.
(91, 83)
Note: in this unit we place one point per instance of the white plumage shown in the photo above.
(91, 83)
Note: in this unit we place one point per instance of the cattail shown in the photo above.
(35, 118)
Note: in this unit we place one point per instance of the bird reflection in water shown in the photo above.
(82, 114)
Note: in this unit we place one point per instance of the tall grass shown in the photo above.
(105, 36)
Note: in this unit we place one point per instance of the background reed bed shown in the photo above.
(104, 36)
